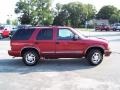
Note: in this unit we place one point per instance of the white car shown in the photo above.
(116, 27)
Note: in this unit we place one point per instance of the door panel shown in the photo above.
(46, 42)
(47, 48)
(66, 47)
(69, 49)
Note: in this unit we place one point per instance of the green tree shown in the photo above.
(106, 12)
(36, 12)
(57, 9)
(115, 18)
(74, 14)
(23, 8)
(61, 19)
(89, 11)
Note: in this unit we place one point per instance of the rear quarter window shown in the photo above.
(22, 34)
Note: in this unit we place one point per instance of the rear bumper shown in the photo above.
(14, 53)
(107, 52)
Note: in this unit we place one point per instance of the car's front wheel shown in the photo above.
(95, 57)
(30, 58)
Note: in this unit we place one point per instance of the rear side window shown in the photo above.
(1, 27)
(23, 34)
(45, 34)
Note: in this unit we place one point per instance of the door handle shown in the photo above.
(36, 42)
(57, 42)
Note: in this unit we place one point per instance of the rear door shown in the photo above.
(45, 42)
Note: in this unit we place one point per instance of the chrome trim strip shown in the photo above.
(77, 52)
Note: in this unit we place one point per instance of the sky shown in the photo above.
(7, 6)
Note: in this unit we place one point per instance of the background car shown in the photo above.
(103, 27)
(116, 27)
(4, 32)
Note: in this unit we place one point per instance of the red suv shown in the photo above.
(56, 42)
(103, 27)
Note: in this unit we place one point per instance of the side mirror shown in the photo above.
(76, 37)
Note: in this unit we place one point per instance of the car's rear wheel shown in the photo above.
(30, 58)
(95, 57)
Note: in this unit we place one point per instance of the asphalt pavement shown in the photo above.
(61, 74)
(110, 36)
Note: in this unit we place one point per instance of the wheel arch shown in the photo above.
(95, 47)
(23, 50)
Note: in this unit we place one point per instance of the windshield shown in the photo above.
(77, 32)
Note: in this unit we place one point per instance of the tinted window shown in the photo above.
(45, 34)
(64, 34)
(23, 34)
(1, 27)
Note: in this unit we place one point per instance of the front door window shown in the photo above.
(65, 34)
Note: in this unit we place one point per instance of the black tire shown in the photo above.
(91, 55)
(30, 58)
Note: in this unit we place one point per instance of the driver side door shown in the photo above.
(66, 46)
